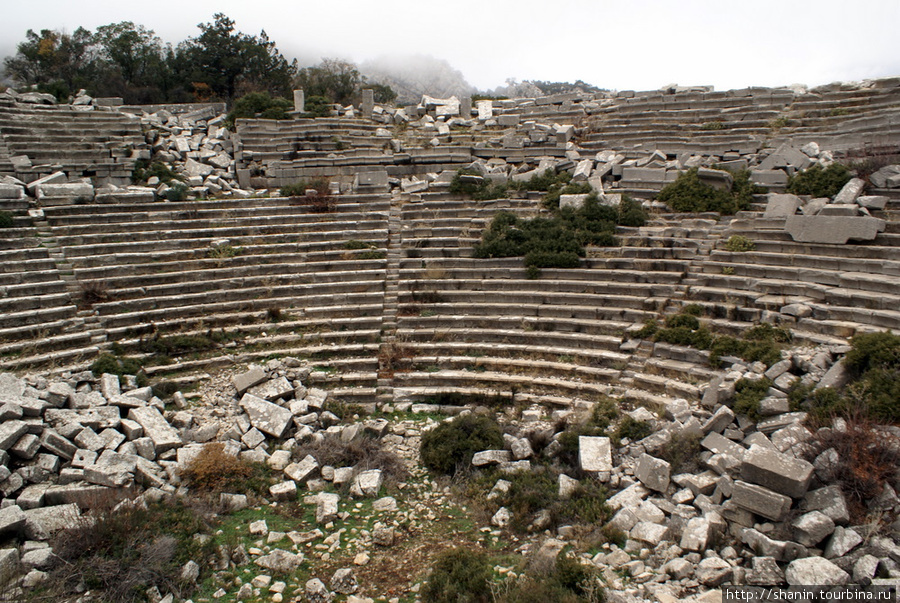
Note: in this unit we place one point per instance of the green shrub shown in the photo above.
(692, 310)
(739, 243)
(566, 581)
(633, 429)
(823, 404)
(748, 394)
(449, 447)
(317, 106)
(6, 219)
(648, 331)
(682, 451)
(871, 351)
(109, 363)
(631, 213)
(689, 194)
(144, 170)
(459, 575)
(177, 192)
(299, 188)
(356, 244)
(820, 182)
(259, 104)
(174, 345)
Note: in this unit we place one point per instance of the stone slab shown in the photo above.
(835, 230)
(779, 472)
(269, 418)
(164, 436)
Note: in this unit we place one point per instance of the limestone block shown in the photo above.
(11, 432)
(629, 497)
(779, 472)
(286, 490)
(835, 230)
(280, 561)
(367, 483)
(842, 541)
(244, 381)
(765, 571)
(653, 472)
(490, 457)
(769, 178)
(9, 564)
(830, 501)
(594, 453)
(760, 500)
(269, 418)
(850, 191)
(164, 436)
(713, 571)
(782, 206)
(717, 423)
(573, 201)
(651, 533)
(720, 179)
(812, 528)
(300, 472)
(272, 389)
(327, 507)
(872, 201)
(12, 520)
(815, 571)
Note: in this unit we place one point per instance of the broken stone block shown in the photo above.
(367, 483)
(717, 423)
(155, 426)
(830, 501)
(815, 571)
(850, 191)
(594, 454)
(26, 447)
(720, 179)
(300, 472)
(58, 445)
(327, 507)
(765, 571)
(269, 418)
(812, 528)
(344, 582)
(651, 533)
(12, 520)
(244, 381)
(490, 457)
(842, 541)
(782, 205)
(760, 500)
(780, 472)
(653, 472)
(284, 491)
(713, 572)
(280, 561)
(835, 230)
(695, 536)
(11, 432)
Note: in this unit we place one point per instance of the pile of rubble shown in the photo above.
(71, 442)
(756, 513)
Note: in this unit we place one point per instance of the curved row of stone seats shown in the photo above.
(39, 320)
(100, 144)
(847, 288)
(467, 323)
(158, 266)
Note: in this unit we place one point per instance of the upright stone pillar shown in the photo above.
(465, 107)
(368, 102)
(299, 101)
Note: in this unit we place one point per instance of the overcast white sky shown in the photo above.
(626, 44)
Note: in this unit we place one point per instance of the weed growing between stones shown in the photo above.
(144, 170)
(749, 394)
(739, 243)
(363, 453)
(6, 219)
(94, 292)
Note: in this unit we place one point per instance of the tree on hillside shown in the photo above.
(133, 63)
(230, 62)
(55, 61)
(335, 79)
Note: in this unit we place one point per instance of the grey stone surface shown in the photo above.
(490, 457)
(280, 561)
(272, 389)
(812, 528)
(327, 507)
(695, 536)
(842, 541)
(835, 230)
(653, 472)
(761, 501)
(269, 418)
(244, 381)
(777, 471)
(850, 191)
(303, 470)
(164, 436)
(782, 205)
(594, 453)
(367, 483)
(818, 571)
(651, 533)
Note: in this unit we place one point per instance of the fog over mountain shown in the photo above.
(413, 76)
